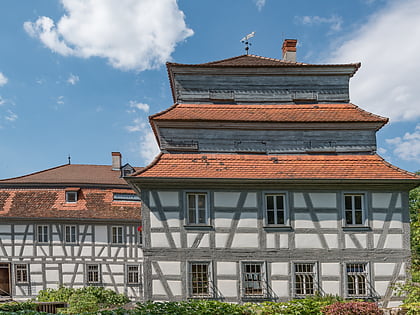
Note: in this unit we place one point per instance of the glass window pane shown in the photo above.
(358, 202)
(270, 217)
(280, 217)
(348, 202)
(202, 216)
(270, 202)
(349, 217)
(280, 202)
(358, 217)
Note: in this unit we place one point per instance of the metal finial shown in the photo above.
(69, 158)
(245, 40)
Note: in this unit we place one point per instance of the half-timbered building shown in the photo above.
(72, 225)
(268, 187)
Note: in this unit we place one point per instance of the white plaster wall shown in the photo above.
(251, 200)
(157, 287)
(332, 240)
(155, 222)
(394, 241)
(327, 220)
(284, 241)
(331, 287)
(19, 238)
(245, 240)
(248, 219)
(5, 228)
(280, 268)
(169, 198)
(36, 278)
(299, 201)
(362, 238)
(324, 200)
(176, 236)
(226, 199)
(221, 239)
(307, 240)
(270, 240)
(228, 288)
(384, 269)
(20, 228)
(101, 234)
(381, 287)
(280, 287)
(223, 219)
(159, 240)
(378, 220)
(398, 202)
(172, 218)
(226, 268)
(58, 251)
(175, 286)
(396, 221)
(191, 238)
(6, 238)
(8, 250)
(169, 268)
(381, 200)
(204, 241)
(303, 220)
(151, 200)
(116, 268)
(88, 239)
(330, 269)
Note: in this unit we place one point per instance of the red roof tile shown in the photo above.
(279, 167)
(77, 174)
(269, 113)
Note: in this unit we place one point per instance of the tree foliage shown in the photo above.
(414, 202)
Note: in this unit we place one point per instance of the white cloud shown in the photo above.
(130, 34)
(408, 146)
(60, 100)
(334, 21)
(2, 101)
(148, 148)
(3, 79)
(139, 106)
(10, 116)
(260, 4)
(72, 79)
(388, 46)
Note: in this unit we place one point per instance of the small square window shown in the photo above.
(354, 209)
(357, 279)
(71, 196)
(275, 209)
(199, 280)
(305, 276)
(197, 212)
(253, 279)
(117, 235)
(93, 274)
(133, 274)
(70, 234)
(43, 233)
(21, 273)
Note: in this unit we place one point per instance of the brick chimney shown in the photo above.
(116, 161)
(289, 50)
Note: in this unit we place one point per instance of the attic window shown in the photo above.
(126, 197)
(71, 196)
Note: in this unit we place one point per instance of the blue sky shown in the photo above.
(80, 77)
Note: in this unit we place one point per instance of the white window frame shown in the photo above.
(365, 274)
(133, 274)
(209, 293)
(93, 276)
(117, 234)
(313, 274)
(125, 197)
(197, 209)
(72, 193)
(353, 209)
(276, 209)
(21, 273)
(70, 234)
(43, 233)
(262, 280)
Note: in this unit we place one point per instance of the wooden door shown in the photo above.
(4, 279)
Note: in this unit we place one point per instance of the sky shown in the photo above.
(79, 78)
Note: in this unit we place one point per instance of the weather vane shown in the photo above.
(245, 40)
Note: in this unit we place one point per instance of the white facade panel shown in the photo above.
(151, 200)
(191, 238)
(228, 288)
(381, 287)
(155, 221)
(172, 218)
(176, 236)
(307, 240)
(226, 199)
(226, 268)
(381, 200)
(327, 220)
(19, 228)
(280, 287)
(175, 286)
(398, 202)
(101, 234)
(384, 269)
(324, 200)
(5, 228)
(223, 219)
(270, 240)
(378, 220)
(331, 287)
(251, 200)
(245, 240)
(394, 241)
(170, 267)
(221, 239)
(284, 241)
(169, 198)
(303, 220)
(204, 241)
(360, 238)
(248, 219)
(396, 221)
(330, 269)
(159, 240)
(299, 201)
(158, 288)
(28, 250)
(280, 268)
(332, 240)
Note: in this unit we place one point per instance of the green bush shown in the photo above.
(87, 299)
(352, 308)
(411, 292)
(17, 306)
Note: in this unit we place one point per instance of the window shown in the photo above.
(354, 209)
(21, 272)
(93, 274)
(70, 234)
(275, 206)
(126, 197)
(197, 208)
(305, 279)
(133, 274)
(253, 277)
(117, 234)
(42, 233)
(357, 279)
(199, 279)
(71, 196)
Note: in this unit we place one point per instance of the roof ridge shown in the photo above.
(30, 174)
(396, 167)
(386, 119)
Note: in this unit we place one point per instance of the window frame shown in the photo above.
(207, 208)
(21, 274)
(353, 209)
(98, 272)
(210, 293)
(117, 239)
(74, 193)
(285, 206)
(43, 237)
(136, 273)
(125, 197)
(76, 234)
(315, 281)
(366, 274)
(263, 280)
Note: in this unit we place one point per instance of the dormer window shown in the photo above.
(71, 196)
(127, 170)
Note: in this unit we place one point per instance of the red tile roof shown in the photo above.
(279, 167)
(306, 113)
(77, 174)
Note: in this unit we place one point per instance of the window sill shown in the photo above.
(351, 228)
(277, 228)
(198, 227)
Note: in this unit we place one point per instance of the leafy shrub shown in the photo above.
(87, 299)
(23, 312)
(17, 306)
(352, 308)
(411, 292)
